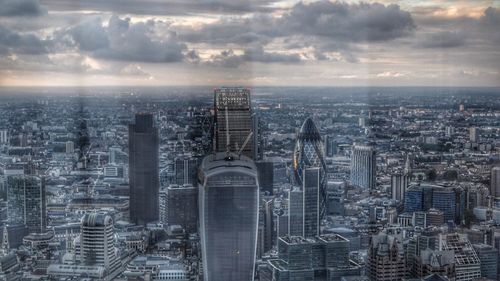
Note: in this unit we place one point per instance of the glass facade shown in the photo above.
(308, 152)
(228, 217)
(144, 172)
(233, 110)
(26, 202)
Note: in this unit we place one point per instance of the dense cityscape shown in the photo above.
(236, 183)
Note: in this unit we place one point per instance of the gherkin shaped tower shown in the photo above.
(308, 152)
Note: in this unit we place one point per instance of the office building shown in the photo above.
(435, 217)
(325, 257)
(266, 176)
(26, 202)
(308, 152)
(180, 203)
(363, 166)
(386, 260)
(495, 183)
(296, 212)
(303, 210)
(447, 199)
(186, 169)
(258, 142)
(96, 253)
(331, 146)
(399, 184)
(267, 219)
(229, 200)
(98, 241)
(4, 137)
(467, 263)
(488, 256)
(143, 170)
(474, 134)
(436, 262)
(70, 147)
(233, 120)
(311, 192)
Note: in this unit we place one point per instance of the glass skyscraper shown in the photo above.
(26, 201)
(233, 115)
(228, 204)
(309, 153)
(144, 172)
(363, 166)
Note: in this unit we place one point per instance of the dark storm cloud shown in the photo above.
(328, 26)
(13, 8)
(161, 7)
(124, 41)
(14, 42)
(348, 22)
(444, 39)
(489, 25)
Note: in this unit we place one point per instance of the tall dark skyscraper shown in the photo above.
(229, 209)
(233, 113)
(144, 174)
(26, 202)
(309, 153)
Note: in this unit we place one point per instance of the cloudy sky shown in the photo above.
(250, 42)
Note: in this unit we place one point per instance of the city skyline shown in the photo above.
(254, 43)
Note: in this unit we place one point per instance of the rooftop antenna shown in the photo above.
(245, 143)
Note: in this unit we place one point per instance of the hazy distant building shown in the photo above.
(4, 137)
(474, 134)
(495, 183)
(70, 147)
(386, 261)
(233, 116)
(363, 166)
(330, 146)
(308, 153)
(258, 142)
(143, 170)
(229, 200)
(26, 202)
(399, 184)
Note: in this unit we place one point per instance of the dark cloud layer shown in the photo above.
(444, 39)
(228, 58)
(124, 41)
(13, 8)
(349, 22)
(14, 42)
(161, 7)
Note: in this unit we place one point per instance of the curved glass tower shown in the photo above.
(229, 209)
(309, 153)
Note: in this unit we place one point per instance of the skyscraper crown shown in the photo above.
(308, 131)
